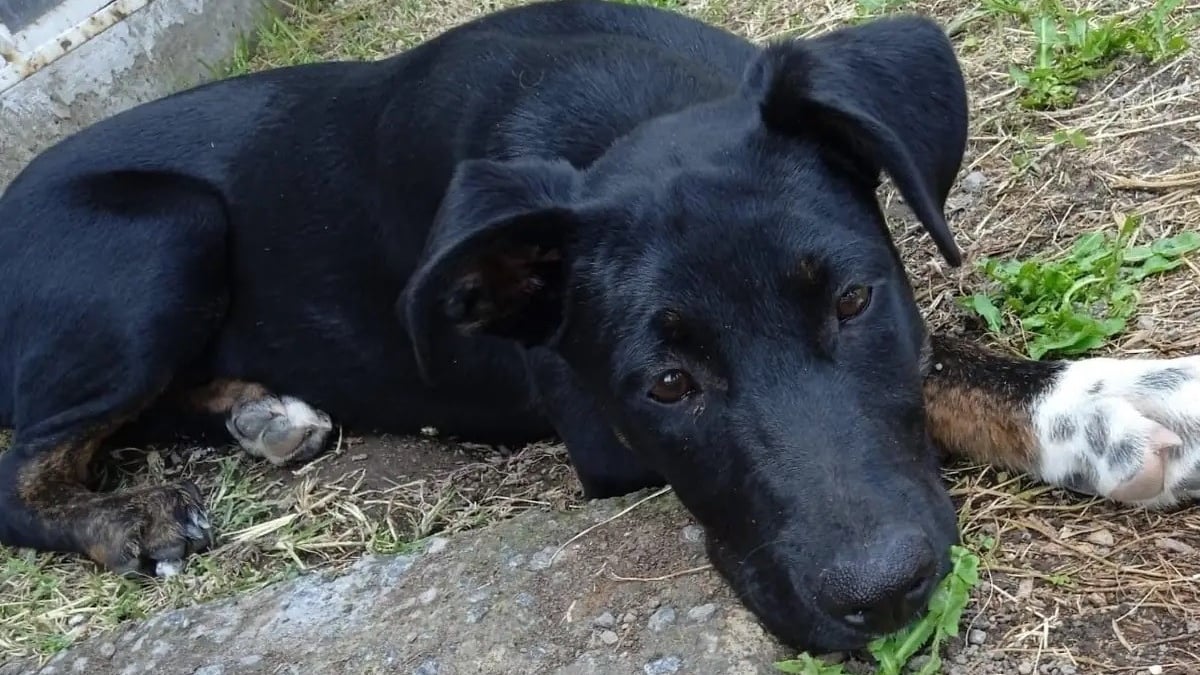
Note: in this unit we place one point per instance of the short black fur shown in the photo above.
(484, 235)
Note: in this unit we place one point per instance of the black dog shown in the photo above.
(608, 223)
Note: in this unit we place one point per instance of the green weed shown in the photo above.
(1076, 46)
(1070, 306)
(940, 622)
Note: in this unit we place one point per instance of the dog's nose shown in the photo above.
(882, 585)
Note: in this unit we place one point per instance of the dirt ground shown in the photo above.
(1071, 585)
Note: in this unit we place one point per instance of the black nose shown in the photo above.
(882, 585)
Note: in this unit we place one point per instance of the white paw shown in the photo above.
(1124, 429)
(279, 429)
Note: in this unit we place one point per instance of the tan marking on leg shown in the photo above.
(220, 396)
(976, 404)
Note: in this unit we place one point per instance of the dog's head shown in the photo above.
(723, 283)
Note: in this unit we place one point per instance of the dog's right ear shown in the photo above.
(885, 95)
(495, 262)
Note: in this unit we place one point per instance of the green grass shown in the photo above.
(893, 652)
(1074, 304)
(1073, 47)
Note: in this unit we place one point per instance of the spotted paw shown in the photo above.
(1124, 429)
(281, 430)
(149, 531)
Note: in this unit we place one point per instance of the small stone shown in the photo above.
(702, 613)
(628, 617)
(664, 666)
(1102, 538)
(476, 613)
(80, 666)
(1067, 669)
(1155, 670)
(428, 667)
(526, 600)
(977, 637)
(605, 620)
(917, 663)
(660, 619)
(541, 560)
(974, 181)
(428, 596)
(693, 534)
(214, 669)
(107, 650)
(609, 638)
(1175, 546)
(437, 545)
(1025, 668)
(75, 620)
(1192, 627)
(653, 603)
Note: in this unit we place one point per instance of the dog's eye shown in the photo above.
(853, 302)
(672, 386)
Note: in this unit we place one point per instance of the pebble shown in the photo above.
(214, 669)
(1025, 668)
(609, 638)
(1101, 538)
(628, 617)
(1193, 627)
(693, 534)
(660, 619)
(1067, 669)
(974, 181)
(525, 599)
(702, 613)
(75, 620)
(107, 650)
(476, 613)
(428, 667)
(977, 637)
(1155, 670)
(664, 666)
(541, 559)
(428, 596)
(605, 620)
(437, 545)
(1175, 546)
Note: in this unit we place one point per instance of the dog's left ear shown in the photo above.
(887, 95)
(495, 260)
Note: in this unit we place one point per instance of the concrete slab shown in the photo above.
(163, 46)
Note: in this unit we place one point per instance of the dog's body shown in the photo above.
(292, 248)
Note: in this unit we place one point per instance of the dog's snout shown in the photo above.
(882, 586)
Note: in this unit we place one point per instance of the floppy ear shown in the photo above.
(887, 95)
(495, 260)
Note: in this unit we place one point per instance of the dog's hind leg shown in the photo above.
(121, 286)
(1124, 429)
(279, 429)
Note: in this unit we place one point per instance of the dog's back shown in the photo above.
(351, 159)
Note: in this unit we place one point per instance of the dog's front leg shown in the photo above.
(1124, 429)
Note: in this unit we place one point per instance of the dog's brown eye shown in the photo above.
(672, 386)
(853, 302)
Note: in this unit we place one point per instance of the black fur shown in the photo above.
(511, 231)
